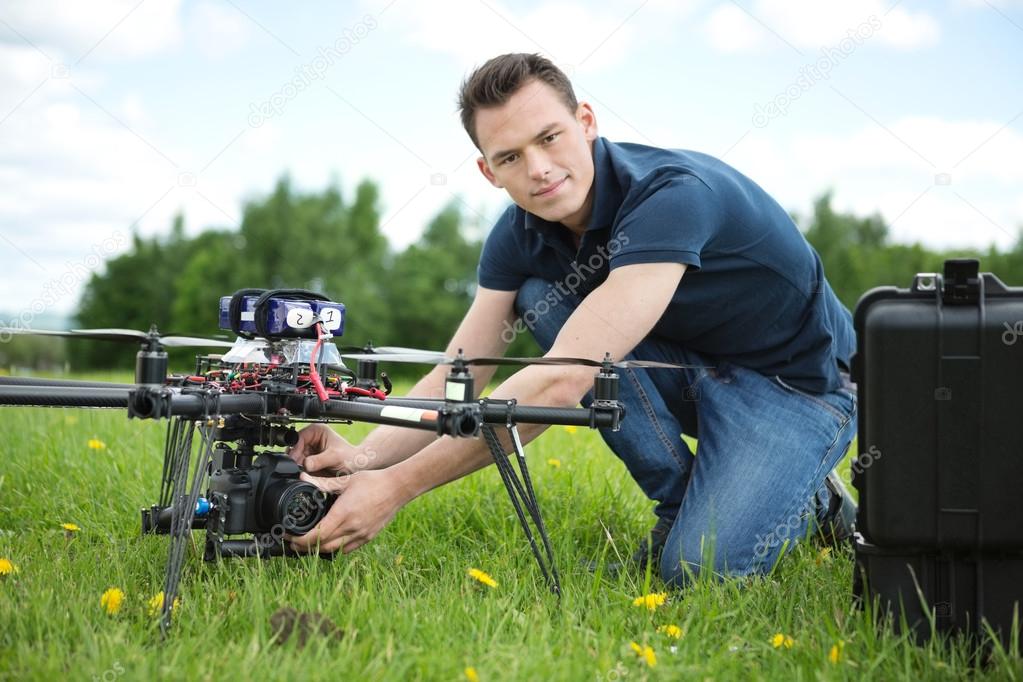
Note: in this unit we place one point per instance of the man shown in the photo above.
(650, 254)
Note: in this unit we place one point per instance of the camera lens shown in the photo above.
(296, 505)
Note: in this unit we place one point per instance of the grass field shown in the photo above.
(405, 603)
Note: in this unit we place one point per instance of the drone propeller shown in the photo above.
(441, 359)
(372, 352)
(124, 335)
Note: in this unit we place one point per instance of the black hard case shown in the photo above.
(939, 368)
(964, 593)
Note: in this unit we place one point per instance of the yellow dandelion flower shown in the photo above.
(556, 463)
(823, 555)
(673, 631)
(644, 652)
(482, 577)
(96, 444)
(471, 675)
(7, 567)
(111, 600)
(780, 640)
(835, 655)
(571, 429)
(156, 604)
(70, 527)
(651, 601)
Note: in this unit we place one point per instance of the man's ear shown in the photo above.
(484, 167)
(587, 120)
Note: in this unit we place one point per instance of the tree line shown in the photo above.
(412, 297)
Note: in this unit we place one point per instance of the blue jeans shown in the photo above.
(764, 448)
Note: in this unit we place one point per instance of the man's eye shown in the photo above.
(550, 138)
(508, 159)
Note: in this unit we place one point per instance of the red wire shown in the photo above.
(314, 375)
(371, 392)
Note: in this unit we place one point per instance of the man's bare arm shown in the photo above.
(479, 334)
(614, 318)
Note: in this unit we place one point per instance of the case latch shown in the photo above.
(961, 281)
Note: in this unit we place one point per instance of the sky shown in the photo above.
(116, 115)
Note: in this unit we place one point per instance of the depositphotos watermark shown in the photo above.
(314, 70)
(619, 672)
(784, 530)
(861, 463)
(75, 274)
(1012, 332)
(305, 506)
(110, 674)
(813, 73)
(569, 286)
(788, 528)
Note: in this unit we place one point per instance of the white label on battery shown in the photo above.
(409, 414)
(249, 316)
(300, 318)
(454, 391)
(331, 318)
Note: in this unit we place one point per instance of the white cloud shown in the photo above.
(872, 170)
(987, 3)
(730, 30)
(218, 29)
(21, 69)
(102, 28)
(806, 24)
(576, 36)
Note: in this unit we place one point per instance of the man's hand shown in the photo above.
(320, 448)
(367, 501)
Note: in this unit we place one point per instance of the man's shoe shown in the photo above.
(650, 549)
(838, 523)
(652, 546)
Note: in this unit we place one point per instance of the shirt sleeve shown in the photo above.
(671, 222)
(500, 257)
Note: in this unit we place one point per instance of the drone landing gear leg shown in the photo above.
(523, 497)
(172, 454)
(184, 510)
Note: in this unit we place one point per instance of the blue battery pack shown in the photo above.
(286, 318)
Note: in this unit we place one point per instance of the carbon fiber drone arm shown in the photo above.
(440, 416)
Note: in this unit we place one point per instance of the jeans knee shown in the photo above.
(532, 290)
(719, 556)
(676, 572)
(682, 560)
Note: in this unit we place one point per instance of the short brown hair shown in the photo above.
(493, 84)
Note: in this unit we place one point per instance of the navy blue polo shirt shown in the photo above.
(754, 292)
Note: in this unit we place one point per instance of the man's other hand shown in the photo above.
(366, 502)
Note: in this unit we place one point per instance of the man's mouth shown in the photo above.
(550, 189)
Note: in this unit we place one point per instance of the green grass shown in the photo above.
(405, 602)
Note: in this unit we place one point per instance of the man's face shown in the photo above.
(541, 153)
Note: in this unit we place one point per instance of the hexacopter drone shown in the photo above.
(284, 369)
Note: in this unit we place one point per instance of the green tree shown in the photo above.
(137, 289)
(209, 274)
(433, 281)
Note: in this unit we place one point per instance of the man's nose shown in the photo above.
(538, 164)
